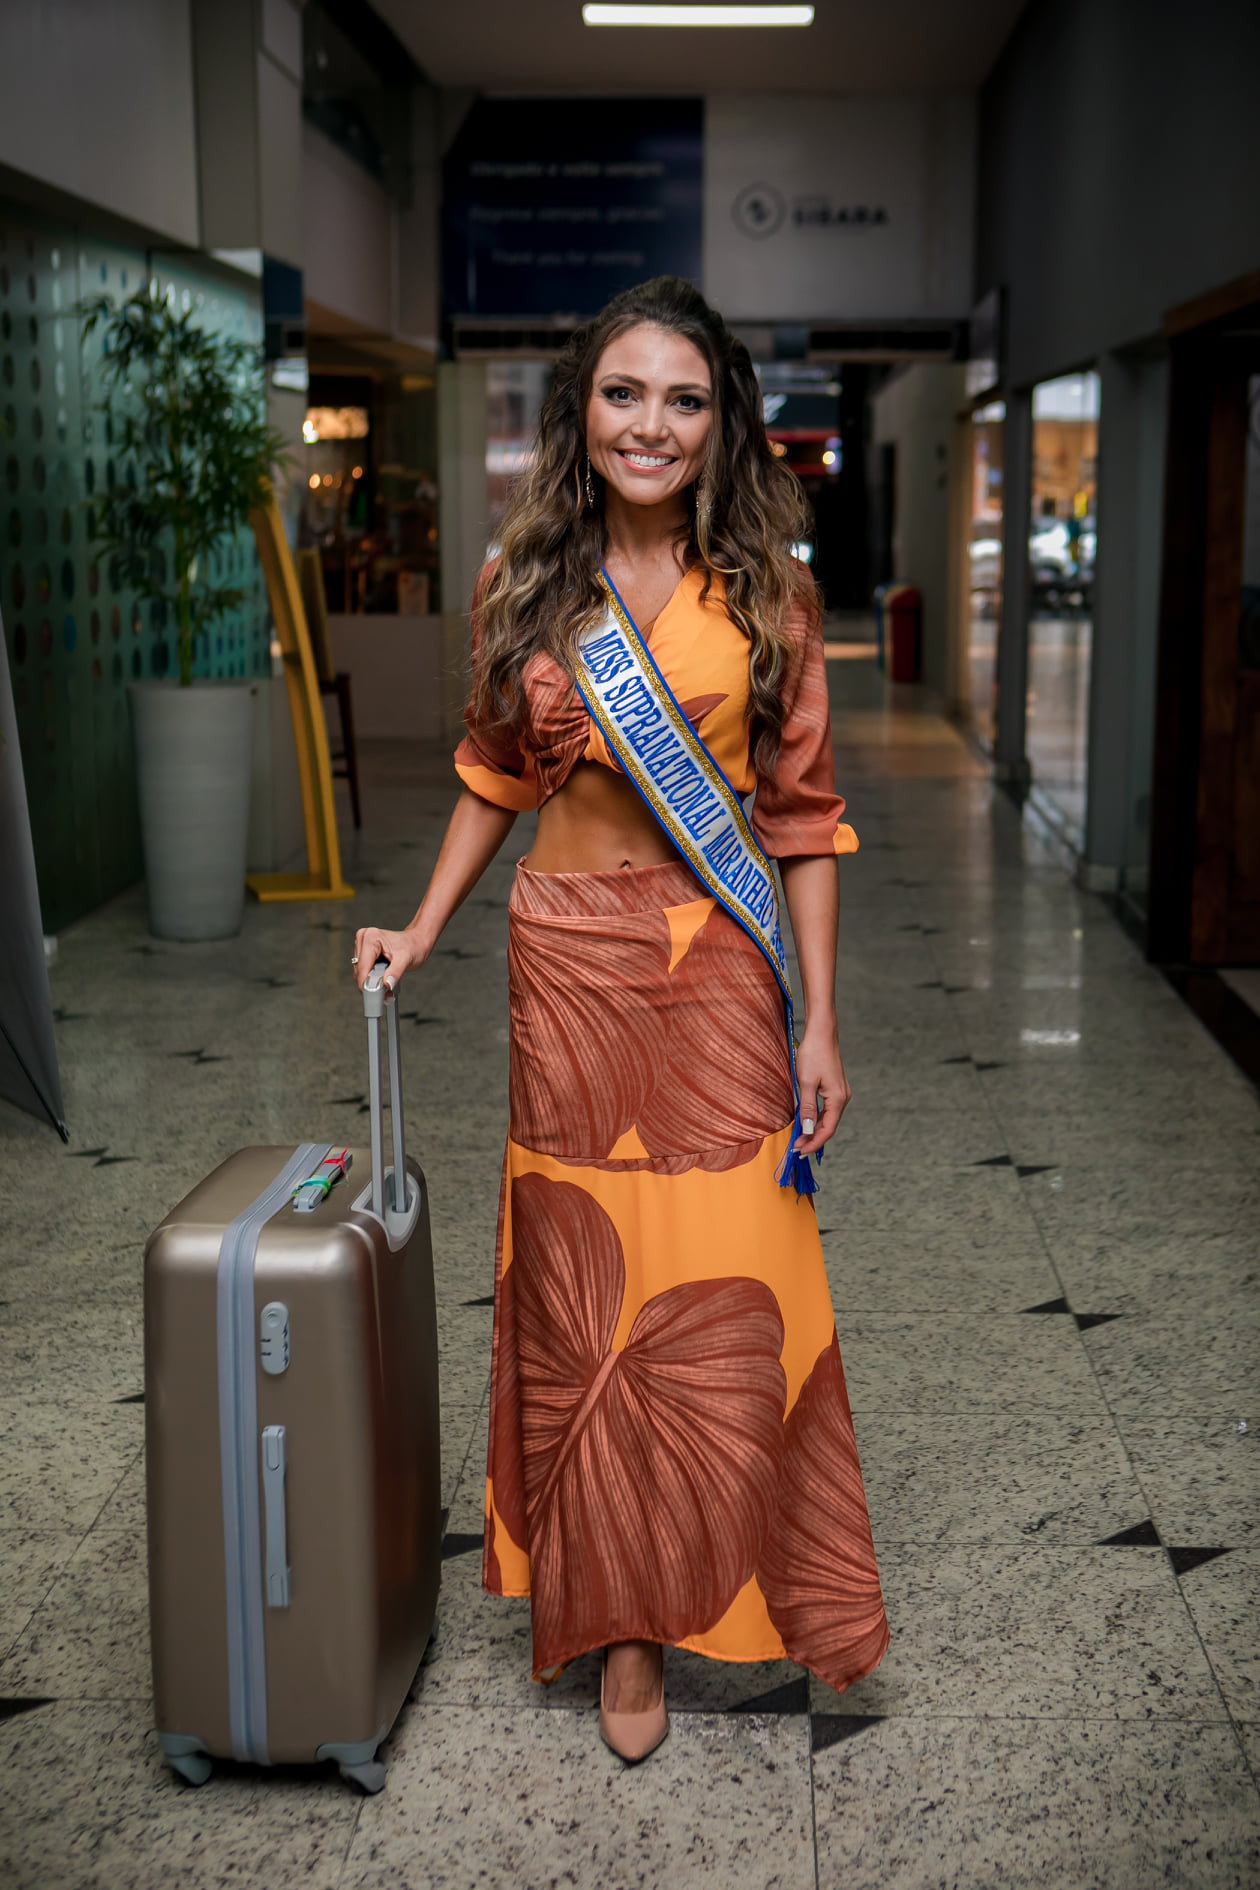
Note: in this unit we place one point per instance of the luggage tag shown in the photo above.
(309, 1193)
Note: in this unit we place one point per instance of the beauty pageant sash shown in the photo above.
(635, 710)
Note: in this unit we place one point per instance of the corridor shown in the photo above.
(1040, 1217)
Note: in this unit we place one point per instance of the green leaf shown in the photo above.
(186, 410)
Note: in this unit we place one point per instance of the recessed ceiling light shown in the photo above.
(656, 15)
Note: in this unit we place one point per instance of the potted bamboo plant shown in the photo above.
(187, 414)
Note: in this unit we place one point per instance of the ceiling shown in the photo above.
(542, 46)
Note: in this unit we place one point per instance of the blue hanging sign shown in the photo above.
(552, 206)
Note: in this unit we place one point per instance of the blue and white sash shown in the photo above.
(635, 710)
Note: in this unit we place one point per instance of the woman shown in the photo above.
(671, 1455)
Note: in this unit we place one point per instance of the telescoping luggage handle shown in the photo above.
(398, 1215)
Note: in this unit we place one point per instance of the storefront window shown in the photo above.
(984, 573)
(1062, 555)
(369, 502)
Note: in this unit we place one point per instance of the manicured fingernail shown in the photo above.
(389, 984)
(807, 1125)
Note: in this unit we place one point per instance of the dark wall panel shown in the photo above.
(1119, 170)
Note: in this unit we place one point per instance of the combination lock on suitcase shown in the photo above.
(293, 1450)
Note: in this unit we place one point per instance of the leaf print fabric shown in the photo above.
(606, 1037)
(671, 1454)
(580, 1070)
(661, 1460)
(817, 1568)
(719, 1085)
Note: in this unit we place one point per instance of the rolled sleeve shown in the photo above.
(797, 810)
(494, 780)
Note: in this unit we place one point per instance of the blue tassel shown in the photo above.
(794, 1170)
(801, 1176)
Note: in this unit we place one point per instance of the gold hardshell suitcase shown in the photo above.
(293, 1450)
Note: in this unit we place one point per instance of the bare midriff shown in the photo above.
(596, 823)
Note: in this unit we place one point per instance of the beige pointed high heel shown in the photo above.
(633, 1736)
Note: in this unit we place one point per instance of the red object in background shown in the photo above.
(903, 618)
(803, 447)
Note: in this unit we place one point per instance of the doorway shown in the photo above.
(1205, 840)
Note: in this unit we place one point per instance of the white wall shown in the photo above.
(779, 169)
(916, 410)
(96, 98)
(347, 235)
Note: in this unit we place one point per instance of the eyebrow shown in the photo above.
(679, 387)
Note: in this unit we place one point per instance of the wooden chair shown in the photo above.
(332, 681)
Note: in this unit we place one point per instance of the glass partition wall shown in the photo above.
(1062, 554)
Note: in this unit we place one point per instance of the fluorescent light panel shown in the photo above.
(655, 15)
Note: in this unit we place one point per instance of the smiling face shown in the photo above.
(649, 415)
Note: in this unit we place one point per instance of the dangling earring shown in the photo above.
(704, 502)
(590, 490)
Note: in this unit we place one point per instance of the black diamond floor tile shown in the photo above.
(1184, 1560)
(828, 1729)
(460, 1542)
(791, 1697)
(1143, 1535)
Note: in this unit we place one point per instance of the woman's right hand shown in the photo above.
(402, 949)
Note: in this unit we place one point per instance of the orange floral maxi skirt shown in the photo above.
(671, 1453)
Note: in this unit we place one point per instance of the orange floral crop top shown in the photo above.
(703, 655)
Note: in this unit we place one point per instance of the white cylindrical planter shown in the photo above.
(193, 749)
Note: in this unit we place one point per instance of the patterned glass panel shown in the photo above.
(75, 635)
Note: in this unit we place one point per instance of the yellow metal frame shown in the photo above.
(322, 880)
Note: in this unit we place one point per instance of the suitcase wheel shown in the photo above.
(357, 1761)
(188, 1757)
(370, 1775)
(194, 1768)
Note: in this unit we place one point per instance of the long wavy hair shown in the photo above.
(544, 588)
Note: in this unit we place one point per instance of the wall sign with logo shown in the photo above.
(838, 209)
(761, 210)
(552, 206)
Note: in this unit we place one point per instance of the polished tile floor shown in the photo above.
(1042, 1224)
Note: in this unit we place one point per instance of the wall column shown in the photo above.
(1122, 657)
(248, 75)
(463, 512)
(247, 70)
(1009, 757)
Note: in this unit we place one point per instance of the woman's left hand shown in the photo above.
(821, 1075)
